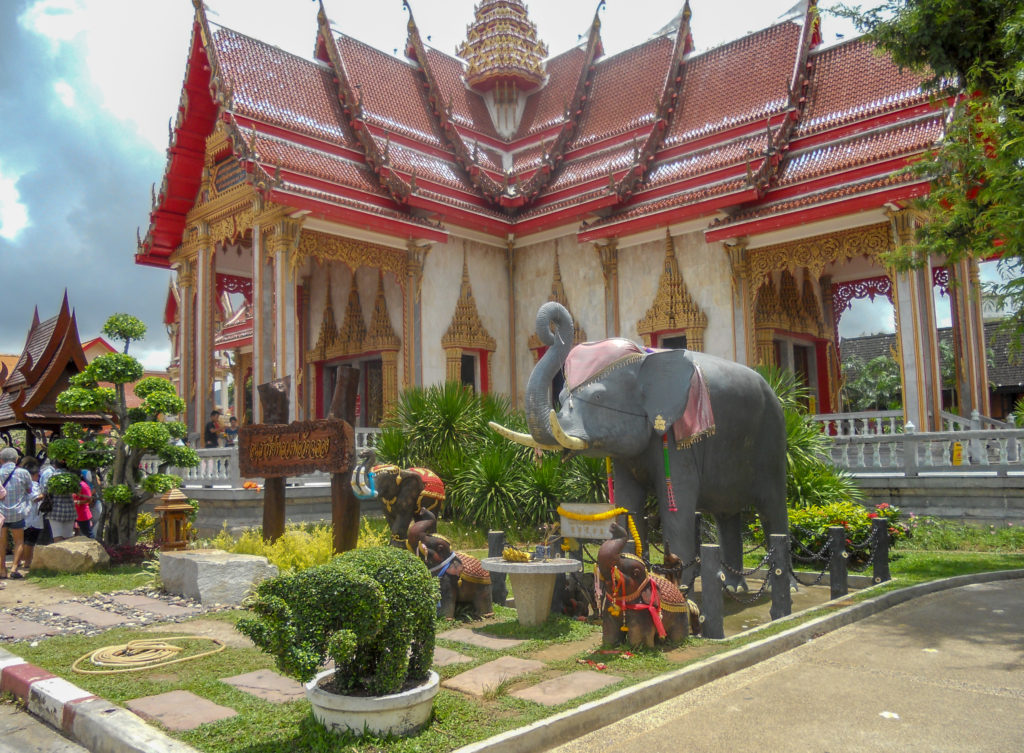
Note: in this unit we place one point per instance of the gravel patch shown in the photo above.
(68, 625)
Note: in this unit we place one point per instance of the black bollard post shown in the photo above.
(838, 559)
(712, 583)
(782, 599)
(495, 546)
(881, 553)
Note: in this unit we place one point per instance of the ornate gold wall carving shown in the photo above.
(814, 254)
(466, 331)
(353, 329)
(353, 254)
(558, 295)
(381, 335)
(673, 308)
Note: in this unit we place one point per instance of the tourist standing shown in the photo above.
(212, 430)
(83, 509)
(62, 516)
(18, 484)
(231, 433)
(34, 522)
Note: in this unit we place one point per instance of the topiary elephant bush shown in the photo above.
(370, 610)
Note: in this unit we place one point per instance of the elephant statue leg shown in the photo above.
(730, 537)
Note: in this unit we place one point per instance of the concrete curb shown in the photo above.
(95, 724)
(568, 725)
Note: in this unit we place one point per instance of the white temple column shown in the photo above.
(186, 336)
(205, 300)
(916, 336)
(968, 338)
(262, 320)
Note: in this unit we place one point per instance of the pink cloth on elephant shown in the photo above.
(698, 420)
(587, 360)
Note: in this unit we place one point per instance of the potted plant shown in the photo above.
(371, 611)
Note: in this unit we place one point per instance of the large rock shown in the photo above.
(213, 576)
(77, 555)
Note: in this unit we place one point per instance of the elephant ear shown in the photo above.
(664, 380)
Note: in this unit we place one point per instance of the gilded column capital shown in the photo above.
(904, 224)
(416, 256)
(609, 253)
(738, 264)
(186, 275)
(284, 235)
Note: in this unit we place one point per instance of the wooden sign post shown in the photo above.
(275, 451)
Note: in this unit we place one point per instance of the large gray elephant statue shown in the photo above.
(701, 433)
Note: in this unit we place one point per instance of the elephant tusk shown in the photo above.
(567, 441)
(523, 439)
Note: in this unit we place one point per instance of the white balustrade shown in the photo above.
(981, 450)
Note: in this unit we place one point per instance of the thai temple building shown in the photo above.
(407, 215)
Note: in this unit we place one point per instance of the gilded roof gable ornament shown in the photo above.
(466, 329)
(673, 308)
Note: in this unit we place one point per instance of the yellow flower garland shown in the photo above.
(607, 515)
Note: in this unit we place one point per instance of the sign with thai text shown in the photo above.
(275, 450)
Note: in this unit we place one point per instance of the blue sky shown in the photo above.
(87, 87)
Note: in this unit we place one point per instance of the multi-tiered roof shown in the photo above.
(770, 130)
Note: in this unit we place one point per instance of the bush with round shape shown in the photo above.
(370, 610)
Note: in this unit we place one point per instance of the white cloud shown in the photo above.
(13, 214)
(65, 93)
(57, 20)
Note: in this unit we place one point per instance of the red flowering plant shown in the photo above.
(808, 530)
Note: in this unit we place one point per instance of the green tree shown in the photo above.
(874, 385)
(972, 52)
(134, 432)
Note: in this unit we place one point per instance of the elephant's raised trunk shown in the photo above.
(555, 329)
(567, 441)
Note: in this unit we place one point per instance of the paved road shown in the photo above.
(940, 673)
(20, 732)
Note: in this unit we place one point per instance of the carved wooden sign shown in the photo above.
(277, 450)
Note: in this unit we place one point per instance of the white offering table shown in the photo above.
(533, 584)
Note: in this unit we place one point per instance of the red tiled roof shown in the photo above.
(596, 165)
(468, 107)
(546, 108)
(625, 91)
(852, 81)
(276, 87)
(315, 163)
(700, 161)
(674, 201)
(835, 193)
(861, 149)
(737, 83)
(393, 97)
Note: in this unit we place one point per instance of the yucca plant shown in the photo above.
(810, 478)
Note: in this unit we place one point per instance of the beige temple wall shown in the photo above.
(442, 280)
(582, 280)
(705, 271)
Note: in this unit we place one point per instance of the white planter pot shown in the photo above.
(404, 713)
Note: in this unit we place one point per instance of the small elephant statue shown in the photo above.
(404, 493)
(646, 607)
(463, 579)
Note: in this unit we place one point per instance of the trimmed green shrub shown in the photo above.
(370, 610)
(64, 483)
(808, 529)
